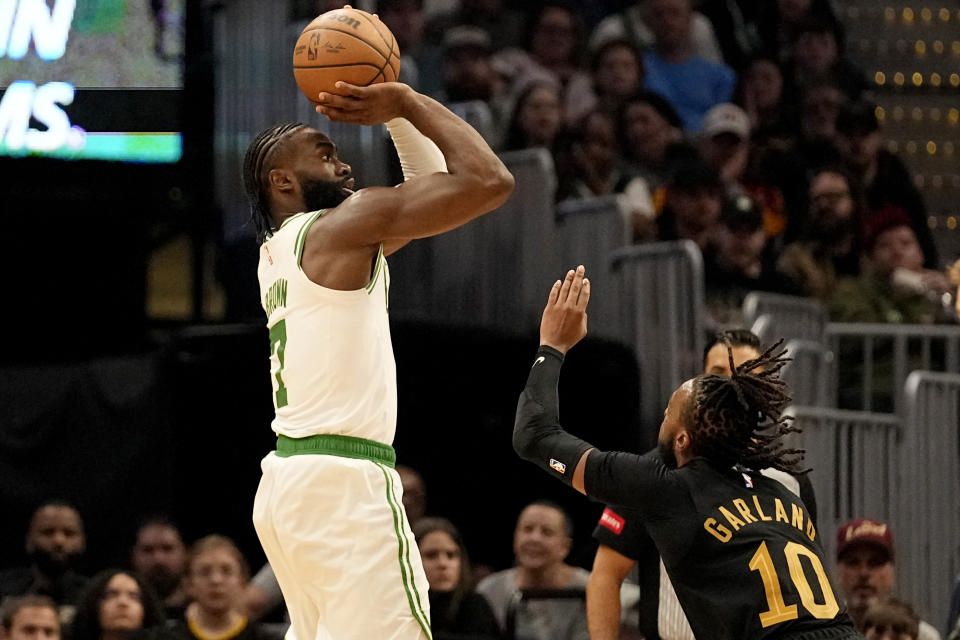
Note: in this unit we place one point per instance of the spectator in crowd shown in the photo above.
(419, 61)
(217, 574)
(552, 53)
(541, 542)
(817, 56)
(115, 606)
(885, 179)
(590, 166)
(160, 556)
(29, 618)
(414, 493)
(778, 22)
(894, 287)
(503, 24)
(891, 619)
(674, 70)
(820, 107)
(261, 595)
(536, 118)
(724, 143)
(456, 611)
(651, 134)
(736, 24)
(55, 541)
(693, 202)
(830, 244)
(760, 93)
(468, 76)
(737, 263)
(617, 70)
(633, 24)
(865, 570)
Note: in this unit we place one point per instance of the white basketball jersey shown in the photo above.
(331, 357)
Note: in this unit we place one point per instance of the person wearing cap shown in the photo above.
(895, 287)
(885, 179)
(737, 263)
(725, 141)
(865, 569)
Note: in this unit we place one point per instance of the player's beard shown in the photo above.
(665, 449)
(323, 194)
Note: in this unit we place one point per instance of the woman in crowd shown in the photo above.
(536, 118)
(652, 137)
(617, 70)
(456, 611)
(552, 53)
(116, 605)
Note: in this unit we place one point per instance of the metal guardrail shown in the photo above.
(874, 360)
(773, 316)
(589, 232)
(808, 373)
(855, 457)
(930, 496)
(661, 294)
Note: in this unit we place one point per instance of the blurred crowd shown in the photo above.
(171, 590)
(738, 124)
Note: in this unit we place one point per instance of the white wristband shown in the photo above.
(419, 155)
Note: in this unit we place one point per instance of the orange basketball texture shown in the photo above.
(344, 44)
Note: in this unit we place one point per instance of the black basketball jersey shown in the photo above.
(742, 553)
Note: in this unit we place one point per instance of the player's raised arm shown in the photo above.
(613, 477)
(476, 180)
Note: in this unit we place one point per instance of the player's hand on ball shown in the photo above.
(564, 321)
(374, 104)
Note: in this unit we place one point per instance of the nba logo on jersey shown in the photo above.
(558, 466)
(747, 480)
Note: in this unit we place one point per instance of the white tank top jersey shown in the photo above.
(331, 357)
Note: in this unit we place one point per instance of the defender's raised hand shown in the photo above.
(564, 321)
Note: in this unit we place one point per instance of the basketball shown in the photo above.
(344, 44)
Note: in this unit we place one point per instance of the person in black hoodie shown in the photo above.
(885, 179)
(457, 612)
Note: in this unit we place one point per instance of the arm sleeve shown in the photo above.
(419, 155)
(537, 434)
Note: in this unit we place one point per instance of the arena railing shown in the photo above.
(788, 317)
(589, 232)
(929, 544)
(855, 457)
(661, 293)
(808, 373)
(874, 360)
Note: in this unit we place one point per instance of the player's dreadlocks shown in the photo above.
(738, 419)
(260, 154)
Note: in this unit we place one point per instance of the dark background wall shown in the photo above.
(181, 428)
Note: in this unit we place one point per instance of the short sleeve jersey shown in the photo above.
(331, 356)
(740, 548)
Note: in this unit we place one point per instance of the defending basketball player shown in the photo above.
(740, 548)
(328, 510)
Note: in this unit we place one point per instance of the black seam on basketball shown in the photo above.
(374, 78)
(345, 64)
(374, 25)
(385, 63)
(352, 35)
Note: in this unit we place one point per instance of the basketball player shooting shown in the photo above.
(739, 547)
(328, 510)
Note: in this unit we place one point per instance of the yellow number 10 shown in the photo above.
(780, 611)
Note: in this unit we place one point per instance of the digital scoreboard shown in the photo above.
(92, 79)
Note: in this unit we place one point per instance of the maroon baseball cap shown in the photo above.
(865, 531)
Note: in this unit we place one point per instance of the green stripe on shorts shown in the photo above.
(415, 608)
